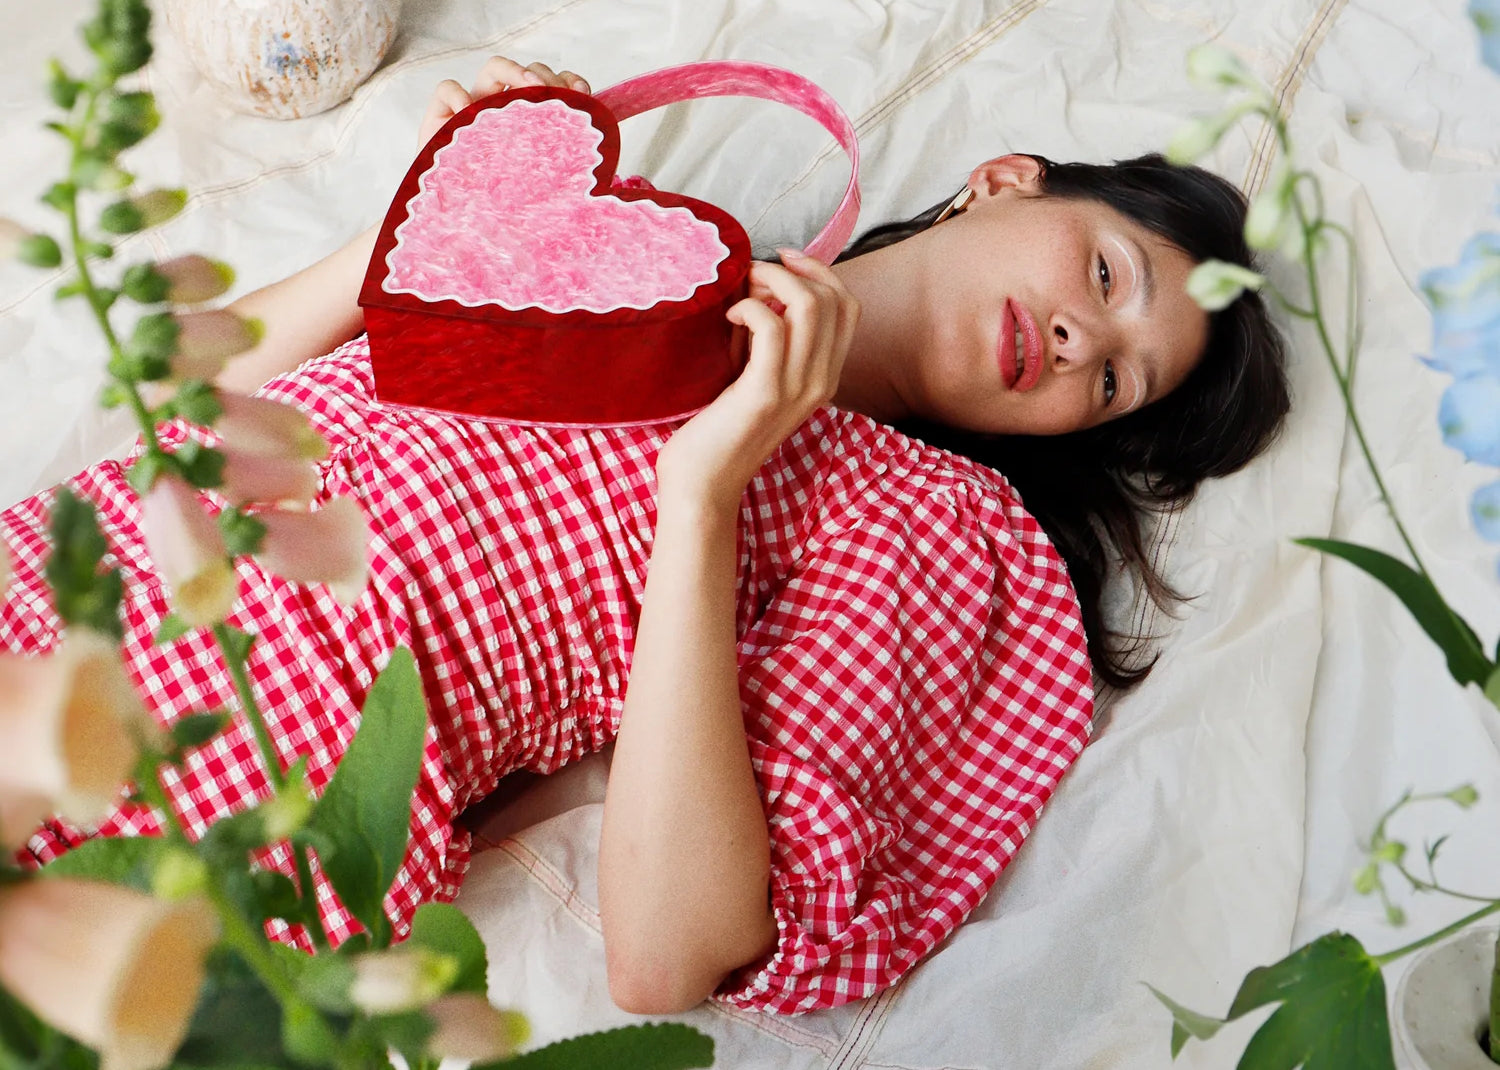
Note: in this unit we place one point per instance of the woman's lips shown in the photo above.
(1025, 372)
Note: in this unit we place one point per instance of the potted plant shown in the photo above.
(1330, 994)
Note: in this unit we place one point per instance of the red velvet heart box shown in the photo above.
(520, 286)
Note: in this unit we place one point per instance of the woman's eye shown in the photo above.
(1104, 278)
(1111, 383)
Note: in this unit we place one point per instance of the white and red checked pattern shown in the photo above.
(914, 672)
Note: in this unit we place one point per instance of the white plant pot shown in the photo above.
(1442, 1002)
(284, 58)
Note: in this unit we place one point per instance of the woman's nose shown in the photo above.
(1076, 344)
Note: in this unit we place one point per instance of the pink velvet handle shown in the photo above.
(739, 78)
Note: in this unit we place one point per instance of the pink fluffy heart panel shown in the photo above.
(507, 216)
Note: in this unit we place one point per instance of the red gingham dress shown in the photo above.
(913, 667)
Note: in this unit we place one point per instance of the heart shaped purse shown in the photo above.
(517, 278)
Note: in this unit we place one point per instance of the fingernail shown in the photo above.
(795, 254)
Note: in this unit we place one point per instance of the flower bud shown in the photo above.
(467, 1027)
(188, 550)
(268, 428)
(179, 874)
(206, 341)
(192, 279)
(113, 967)
(1270, 214)
(400, 979)
(1394, 914)
(254, 477)
(159, 205)
(70, 721)
(287, 811)
(330, 546)
(1465, 795)
(1392, 851)
(1195, 139)
(12, 234)
(1215, 67)
(1367, 878)
(1215, 284)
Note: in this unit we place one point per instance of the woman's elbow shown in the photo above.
(653, 984)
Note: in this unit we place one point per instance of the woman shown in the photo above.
(856, 667)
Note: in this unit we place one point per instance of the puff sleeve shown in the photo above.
(913, 693)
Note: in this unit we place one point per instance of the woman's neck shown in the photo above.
(879, 377)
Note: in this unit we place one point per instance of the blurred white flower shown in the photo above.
(269, 428)
(1195, 139)
(70, 722)
(1215, 284)
(188, 549)
(329, 546)
(467, 1027)
(400, 979)
(1215, 67)
(12, 234)
(110, 966)
(1270, 216)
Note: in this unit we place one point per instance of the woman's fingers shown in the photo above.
(573, 81)
(813, 340)
(448, 99)
(500, 73)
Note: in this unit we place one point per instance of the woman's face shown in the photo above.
(1051, 315)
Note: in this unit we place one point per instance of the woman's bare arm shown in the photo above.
(684, 853)
(305, 315)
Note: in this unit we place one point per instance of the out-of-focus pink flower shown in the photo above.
(189, 551)
(206, 341)
(330, 546)
(467, 1027)
(255, 477)
(110, 966)
(269, 428)
(192, 279)
(70, 722)
(400, 979)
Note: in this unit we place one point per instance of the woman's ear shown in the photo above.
(1014, 171)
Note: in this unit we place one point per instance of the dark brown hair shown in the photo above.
(1092, 489)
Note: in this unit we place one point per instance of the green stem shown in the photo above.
(1432, 938)
(257, 719)
(312, 919)
(1419, 884)
(1494, 1042)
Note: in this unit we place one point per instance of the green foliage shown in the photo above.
(143, 283)
(153, 339)
(122, 217)
(200, 465)
(1466, 660)
(39, 250)
(127, 860)
(172, 627)
(129, 119)
(27, 1041)
(1331, 1014)
(243, 534)
(84, 596)
(197, 402)
(443, 928)
(120, 35)
(60, 195)
(237, 1021)
(659, 1046)
(361, 823)
(196, 729)
(61, 87)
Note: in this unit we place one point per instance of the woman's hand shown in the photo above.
(795, 361)
(497, 74)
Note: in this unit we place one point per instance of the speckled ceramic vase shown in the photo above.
(1442, 1003)
(284, 58)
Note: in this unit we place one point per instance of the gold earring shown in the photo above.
(958, 204)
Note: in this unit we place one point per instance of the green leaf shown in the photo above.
(71, 288)
(1186, 1023)
(98, 250)
(361, 823)
(237, 644)
(1466, 661)
(237, 1021)
(60, 195)
(277, 894)
(196, 729)
(659, 1046)
(1492, 687)
(143, 473)
(443, 928)
(143, 283)
(155, 335)
(202, 467)
(82, 595)
(198, 402)
(97, 170)
(1332, 1012)
(39, 250)
(127, 860)
(61, 88)
(131, 117)
(172, 628)
(407, 1033)
(122, 217)
(243, 534)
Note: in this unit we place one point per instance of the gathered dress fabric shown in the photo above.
(913, 668)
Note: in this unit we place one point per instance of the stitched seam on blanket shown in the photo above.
(1287, 85)
(866, 1030)
(355, 108)
(555, 884)
(915, 84)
